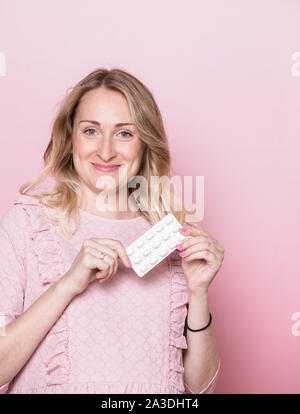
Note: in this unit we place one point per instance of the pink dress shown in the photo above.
(123, 336)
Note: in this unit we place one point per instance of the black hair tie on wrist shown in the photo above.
(201, 329)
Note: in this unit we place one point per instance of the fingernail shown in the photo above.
(183, 229)
(179, 246)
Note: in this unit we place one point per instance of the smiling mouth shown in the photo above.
(105, 168)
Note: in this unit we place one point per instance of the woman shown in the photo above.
(78, 319)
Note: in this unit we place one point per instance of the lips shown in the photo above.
(106, 168)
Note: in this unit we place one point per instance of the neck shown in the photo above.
(95, 204)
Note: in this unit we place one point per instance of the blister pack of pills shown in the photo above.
(155, 245)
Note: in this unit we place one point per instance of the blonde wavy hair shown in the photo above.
(58, 162)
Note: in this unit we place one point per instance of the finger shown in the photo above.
(97, 249)
(194, 232)
(112, 272)
(111, 262)
(184, 244)
(219, 247)
(191, 231)
(197, 247)
(94, 252)
(108, 252)
(102, 266)
(108, 259)
(118, 247)
(115, 269)
(112, 253)
(202, 254)
(101, 248)
(194, 224)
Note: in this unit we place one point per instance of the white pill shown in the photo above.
(172, 244)
(140, 243)
(156, 243)
(147, 251)
(136, 259)
(149, 236)
(162, 252)
(153, 260)
(166, 236)
(180, 237)
(143, 268)
(130, 250)
(169, 220)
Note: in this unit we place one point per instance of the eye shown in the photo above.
(126, 132)
(89, 129)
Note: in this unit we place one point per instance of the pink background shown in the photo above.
(221, 74)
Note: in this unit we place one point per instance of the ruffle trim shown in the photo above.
(4, 388)
(51, 268)
(210, 388)
(45, 244)
(98, 388)
(178, 311)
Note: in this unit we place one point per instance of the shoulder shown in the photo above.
(15, 226)
(15, 219)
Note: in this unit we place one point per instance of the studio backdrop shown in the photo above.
(226, 76)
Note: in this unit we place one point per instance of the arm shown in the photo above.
(21, 332)
(25, 330)
(202, 258)
(201, 359)
(24, 334)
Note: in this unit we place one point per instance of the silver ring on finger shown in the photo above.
(101, 255)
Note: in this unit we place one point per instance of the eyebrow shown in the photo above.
(98, 123)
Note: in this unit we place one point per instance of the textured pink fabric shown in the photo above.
(121, 336)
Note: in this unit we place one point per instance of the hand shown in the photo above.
(202, 257)
(88, 266)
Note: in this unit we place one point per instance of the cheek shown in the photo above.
(133, 153)
(82, 148)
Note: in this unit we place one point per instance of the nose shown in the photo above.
(106, 148)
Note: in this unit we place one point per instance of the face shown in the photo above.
(103, 136)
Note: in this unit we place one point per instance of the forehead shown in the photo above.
(102, 103)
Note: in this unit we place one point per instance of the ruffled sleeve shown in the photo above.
(4, 388)
(210, 388)
(178, 312)
(51, 267)
(43, 234)
(12, 272)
